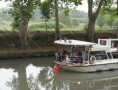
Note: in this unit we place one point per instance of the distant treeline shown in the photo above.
(4, 14)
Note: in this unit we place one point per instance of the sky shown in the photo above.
(4, 4)
(84, 6)
(80, 7)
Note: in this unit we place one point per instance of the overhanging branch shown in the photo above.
(99, 7)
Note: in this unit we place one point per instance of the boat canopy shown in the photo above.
(74, 42)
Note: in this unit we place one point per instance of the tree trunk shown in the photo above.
(57, 29)
(117, 7)
(90, 30)
(92, 18)
(23, 32)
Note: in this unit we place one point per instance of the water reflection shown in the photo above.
(8, 79)
(37, 74)
(39, 78)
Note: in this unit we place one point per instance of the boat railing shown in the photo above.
(76, 59)
(100, 56)
(73, 59)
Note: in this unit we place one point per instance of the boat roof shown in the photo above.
(74, 42)
(115, 39)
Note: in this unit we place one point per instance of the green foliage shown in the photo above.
(76, 2)
(64, 19)
(67, 4)
(49, 25)
(9, 40)
(75, 22)
(43, 39)
(109, 20)
(109, 7)
(101, 20)
(21, 9)
(46, 9)
(115, 22)
(46, 39)
(105, 27)
(16, 14)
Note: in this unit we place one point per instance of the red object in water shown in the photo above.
(56, 68)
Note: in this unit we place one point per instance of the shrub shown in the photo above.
(43, 39)
(46, 39)
(9, 40)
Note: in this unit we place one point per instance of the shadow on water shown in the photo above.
(37, 74)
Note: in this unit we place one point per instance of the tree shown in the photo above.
(57, 29)
(22, 11)
(45, 7)
(93, 14)
(68, 3)
(46, 10)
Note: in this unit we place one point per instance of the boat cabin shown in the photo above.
(112, 44)
(84, 53)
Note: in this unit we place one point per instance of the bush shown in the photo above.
(9, 40)
(46, 39)
(43, 39)
(49, 25)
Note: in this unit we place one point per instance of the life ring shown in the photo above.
(92, 59)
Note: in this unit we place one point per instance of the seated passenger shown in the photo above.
(73, 52)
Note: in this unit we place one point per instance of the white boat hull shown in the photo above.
(90, 68)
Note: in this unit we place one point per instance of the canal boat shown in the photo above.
(85, 56)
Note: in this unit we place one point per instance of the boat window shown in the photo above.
(114, 44)
(115, 54)
(100, 55)
(102, 42)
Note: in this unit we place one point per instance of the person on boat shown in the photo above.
(73, 52)
(84, 53)
(67, 59)
(112, 44)
(58, 56)
(63, 54)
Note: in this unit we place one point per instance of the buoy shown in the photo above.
(56, 68)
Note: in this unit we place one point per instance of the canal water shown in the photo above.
(37, 74)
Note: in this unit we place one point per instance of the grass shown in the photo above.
(71, 28)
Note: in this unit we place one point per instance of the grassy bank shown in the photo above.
(10, 54)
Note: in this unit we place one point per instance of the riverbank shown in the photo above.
(41, 44)
(27, 53)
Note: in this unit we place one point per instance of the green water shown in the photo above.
(37, 74)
